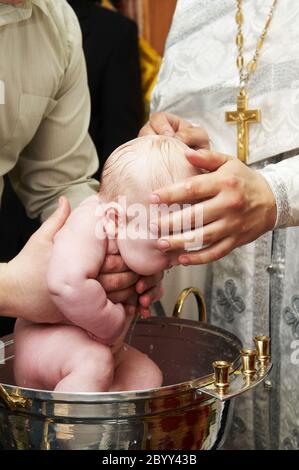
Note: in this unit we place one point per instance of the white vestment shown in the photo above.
(255, 289)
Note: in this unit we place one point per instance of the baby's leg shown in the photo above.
(61, 358)
(135, 371)
(90, 370)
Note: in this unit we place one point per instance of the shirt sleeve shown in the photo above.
(61, 158)
(283, 179)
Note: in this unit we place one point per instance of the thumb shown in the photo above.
(54, 223)
(207, 159)
(164, 123)
(195, 137)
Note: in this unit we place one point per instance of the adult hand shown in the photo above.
(150, 290)
(173, 126)
(23, 280)
(127, 287)
(237, 204)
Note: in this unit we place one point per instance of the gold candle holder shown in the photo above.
(262, 344)
(248, 362)
(221, 374)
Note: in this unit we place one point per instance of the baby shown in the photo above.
(86, 352)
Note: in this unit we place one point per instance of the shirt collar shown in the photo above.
(15, 13)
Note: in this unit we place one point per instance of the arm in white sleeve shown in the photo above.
(283, 179)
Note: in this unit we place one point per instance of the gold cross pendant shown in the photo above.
(242, 118)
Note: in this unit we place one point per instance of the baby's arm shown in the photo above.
(77, 258)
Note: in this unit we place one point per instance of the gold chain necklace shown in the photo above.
(244, 116)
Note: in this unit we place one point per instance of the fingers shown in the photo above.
(194, 137)
(151, 296)
(207, 255)
(114, 264)
(124, 296)
(194, 189)
(54, 223)
(161, 124)
(129, 297)
(180, 221)
(130, 309)
(192, 217)
(147, 129)
(196, 239)
(181, 242)
(148, 282)
(207, 160)
(164, 124)
(171, 125)
(118, 281)
(144, 312)
(159, 292)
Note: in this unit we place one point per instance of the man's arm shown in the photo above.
(61, 158)
(23, 285)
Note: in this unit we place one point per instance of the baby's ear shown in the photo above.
(114, 220)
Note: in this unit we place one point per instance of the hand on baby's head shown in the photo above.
(130, 175)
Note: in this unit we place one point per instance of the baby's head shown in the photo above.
(130, 175)
(143, 165)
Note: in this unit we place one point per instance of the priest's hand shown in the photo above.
(173, 126)
(237, 204)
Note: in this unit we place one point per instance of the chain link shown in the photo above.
(246, 71)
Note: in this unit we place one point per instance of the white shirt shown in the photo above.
(199, 80)
(44, 143)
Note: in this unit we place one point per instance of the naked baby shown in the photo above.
(86, 352)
